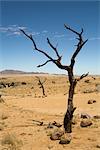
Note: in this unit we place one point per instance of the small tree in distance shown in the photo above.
(69, 68)
(41, 85)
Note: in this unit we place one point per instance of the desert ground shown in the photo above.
(23, 108)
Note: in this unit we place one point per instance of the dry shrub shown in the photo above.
(11, 142)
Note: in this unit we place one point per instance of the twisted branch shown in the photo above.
(54, 48)
(79, 45)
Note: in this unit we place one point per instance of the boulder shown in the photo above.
(65, 139)
(85, 116)
(56, 135)
(86, 123)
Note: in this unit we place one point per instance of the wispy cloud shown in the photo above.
(59, 35)
(12, 29)
(35, 33)
(15, 30)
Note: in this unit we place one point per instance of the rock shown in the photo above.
(91, 101)
(74, 122)
(66, 139)
(50, 125)
(89, 91)
(56, 135)
(86, 123)
(85, 115)
(96, 117)
(98, 146)
(57, 124)
(23, 83)
(87, 81)
(2, 85)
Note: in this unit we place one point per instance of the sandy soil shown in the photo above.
(23, 103)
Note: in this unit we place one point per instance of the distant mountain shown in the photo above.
(19, 72)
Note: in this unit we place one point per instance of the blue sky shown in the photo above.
(46, 19)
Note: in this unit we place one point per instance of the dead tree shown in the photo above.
(41, 85)
(69, 68)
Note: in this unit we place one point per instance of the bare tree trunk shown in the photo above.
(70, 108)
(69, 68)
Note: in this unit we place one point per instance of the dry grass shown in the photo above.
(11, 142)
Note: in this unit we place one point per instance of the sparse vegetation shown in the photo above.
(17, 116)
(11, 142)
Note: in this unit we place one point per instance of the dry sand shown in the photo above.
(24, 103)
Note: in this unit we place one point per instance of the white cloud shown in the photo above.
(35, 33)
(12, 29)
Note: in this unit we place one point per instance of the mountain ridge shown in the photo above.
(11, 71)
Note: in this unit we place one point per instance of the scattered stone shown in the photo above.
(89, 91)
(93, 78)
(74, 121)
(2, 85)
(56, 135)
(50, 125)
(85, 116)
(98, 146)
(57, 124)
(87, 81)
(96, 117)
(66, 139)
(23, 83)
(86, 123)
(91, 101)
(4, 116)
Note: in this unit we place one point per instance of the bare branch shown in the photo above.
(57, 62)
(54, 48)
(82, 76)
(79, 45)
(31, 38)
(44, 63)
(68, 28)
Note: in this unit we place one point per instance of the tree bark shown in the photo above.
(70, 108)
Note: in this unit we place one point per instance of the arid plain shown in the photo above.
(23, 108)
